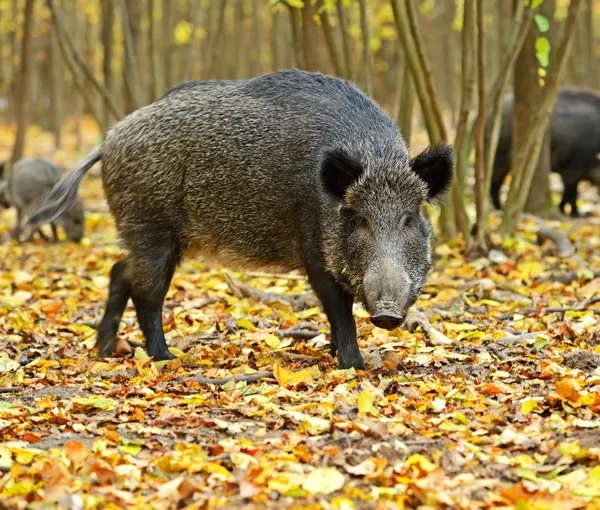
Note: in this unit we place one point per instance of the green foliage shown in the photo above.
(542, 50)
(534, 4)
(542, 23)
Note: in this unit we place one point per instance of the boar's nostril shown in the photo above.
(387, 321)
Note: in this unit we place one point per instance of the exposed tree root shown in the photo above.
(296, 301)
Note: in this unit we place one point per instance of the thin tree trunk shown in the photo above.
(461, 141)
(588, 35)
(108, 20)
(256, 32)
(131, 22)
(214, 46)
(23, 88)
(64, 35)
(241, 69)
(331, 44)
(408, 31)
(528, 95)
(55, 88)
(479, 140)
(346, 42)
(157, 78)
(522, 21)
(420, 69)
(294, 24)
(167, 43)
(528, 152)
(310, 38)
(366, 58)
(84, 91)
(21, 106)
(191, 48)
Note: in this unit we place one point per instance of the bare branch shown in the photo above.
(64, 35)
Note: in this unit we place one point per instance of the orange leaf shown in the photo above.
(31, 437)
(76, 453)
(488, 389)
(568, 389)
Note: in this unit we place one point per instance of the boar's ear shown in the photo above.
(339, 171)
(435, 165)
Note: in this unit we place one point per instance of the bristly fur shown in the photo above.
(285, 170)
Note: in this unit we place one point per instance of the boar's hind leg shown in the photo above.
(338, 307)
(570, 197)
(119, 292)
(149, 273)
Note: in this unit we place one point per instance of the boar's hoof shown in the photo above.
(387, 320)
(161, 354)
(348, 360)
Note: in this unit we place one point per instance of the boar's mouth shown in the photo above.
(388, 315)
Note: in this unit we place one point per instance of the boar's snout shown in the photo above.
(386, 291)
(387, 320)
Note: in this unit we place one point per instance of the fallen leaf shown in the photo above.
(324, 481)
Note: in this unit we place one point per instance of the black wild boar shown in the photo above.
(574, 143)
(291, 170)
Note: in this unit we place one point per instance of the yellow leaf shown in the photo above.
(530, 269)
(288, 378)
(309, 312)
(177, 352)
(360, 312)
(366, 399)
(421, 462)
(140, 354)
(244, 324)
(298, 4)
(316, 426)
(324, 481)
(595, 476)
(528, 406)
(272, 341)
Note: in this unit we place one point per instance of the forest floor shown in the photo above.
(496, 406)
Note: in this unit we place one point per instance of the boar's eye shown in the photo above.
(361, 221)
(407, 221)
(355, 219)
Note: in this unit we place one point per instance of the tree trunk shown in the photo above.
(331, 43)
(256, 32)
(366, 56)
(296, 42)
(108, 20)
(311, 40)
(528, 95)
(526, 154)
(216, 38)
(167, 44)
(21, 106)
(346, 41)
(190, 51)
(588, 36)
(479, 130)
(56, 88)
(131, 16)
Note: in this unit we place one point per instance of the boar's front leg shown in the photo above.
(337, 304)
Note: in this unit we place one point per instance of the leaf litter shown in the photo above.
(489, 398)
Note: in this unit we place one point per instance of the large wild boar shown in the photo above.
(291, 170)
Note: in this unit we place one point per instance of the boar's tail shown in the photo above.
(64, 194)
